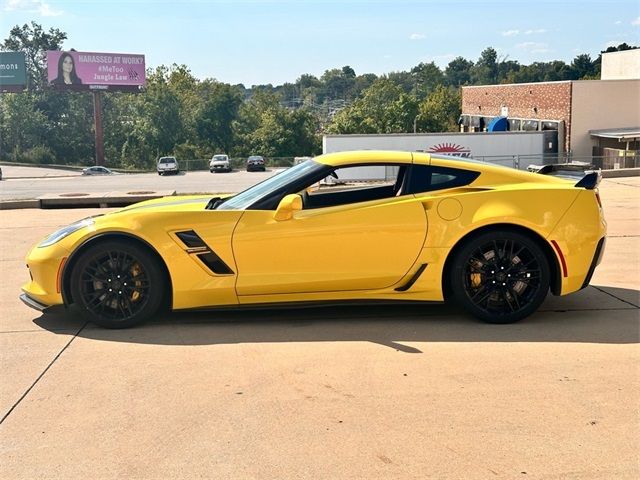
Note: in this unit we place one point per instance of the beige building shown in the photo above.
(623, 65)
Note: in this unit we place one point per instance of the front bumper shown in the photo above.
(33, 303)
(222, 168)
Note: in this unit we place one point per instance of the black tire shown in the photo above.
(117, 284)
(500, 276)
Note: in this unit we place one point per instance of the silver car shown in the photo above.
(220, 163)
(168, 165)
(96, 171)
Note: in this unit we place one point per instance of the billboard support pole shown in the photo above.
(97, 118)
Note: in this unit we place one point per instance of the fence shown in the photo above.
(606, 162)
(238, 163)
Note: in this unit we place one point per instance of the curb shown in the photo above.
(621, 172)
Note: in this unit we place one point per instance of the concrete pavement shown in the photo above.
(52, 182)
(384, 392)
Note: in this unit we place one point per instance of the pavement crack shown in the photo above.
(622, 183)
(6, 415)
(616, 297)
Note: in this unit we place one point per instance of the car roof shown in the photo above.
(491, 173)
(364, 156)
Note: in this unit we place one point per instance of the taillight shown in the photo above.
(598, 199)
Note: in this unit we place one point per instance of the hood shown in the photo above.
(174, 203)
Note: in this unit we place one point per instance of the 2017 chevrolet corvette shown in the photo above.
(365, 226)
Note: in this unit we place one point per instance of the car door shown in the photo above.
(360, 245)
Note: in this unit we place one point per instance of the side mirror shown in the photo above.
(287, 207)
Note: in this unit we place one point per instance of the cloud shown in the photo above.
(636, 22)
(440, 60)
(510, 33)
(32, 6)
(417, 36)
(618, 22)
(537, 30)
(534, 47)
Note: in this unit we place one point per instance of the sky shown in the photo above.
(258, 42)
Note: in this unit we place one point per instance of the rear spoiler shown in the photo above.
(588, 177)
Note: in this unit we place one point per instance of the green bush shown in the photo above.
(39, 155)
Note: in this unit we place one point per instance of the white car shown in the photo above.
(96, 171)
(168, 165)
(220, 163)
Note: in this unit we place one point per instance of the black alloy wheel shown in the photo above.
(500, 276)
(117, 284)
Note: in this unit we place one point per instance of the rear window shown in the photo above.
(425, 178)
(168, 160)
(219, 157)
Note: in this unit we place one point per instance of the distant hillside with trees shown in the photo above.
(178, 114)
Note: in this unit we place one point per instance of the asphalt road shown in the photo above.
(30, 183)
(385, 392)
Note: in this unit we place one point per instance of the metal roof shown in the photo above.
(622, 134)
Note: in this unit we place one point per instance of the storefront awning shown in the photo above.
(621, 134)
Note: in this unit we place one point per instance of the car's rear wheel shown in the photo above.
(500, 276)
(117, 284)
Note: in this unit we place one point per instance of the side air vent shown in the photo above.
(196, 246)
(412, 280)
(214, 263)
(191, 239)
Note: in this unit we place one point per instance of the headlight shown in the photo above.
(65, 232)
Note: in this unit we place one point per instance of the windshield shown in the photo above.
(247, 198)
(219, 157)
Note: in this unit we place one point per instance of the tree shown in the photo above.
(218, 108)
(34, 42)
(338, 83)
(441, 110)
(458, 72)
(426, 76)
(583, 67)
(383, 108)
(485, 71)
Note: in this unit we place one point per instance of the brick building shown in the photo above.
(578, 110)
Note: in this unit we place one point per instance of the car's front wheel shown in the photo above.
(500, 276)
(117, 284)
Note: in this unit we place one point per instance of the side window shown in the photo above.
(354, 184)
(424, 178)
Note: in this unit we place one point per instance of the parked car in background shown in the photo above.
(255, 163)
(96, 171)
(220, 163)
(168, 165)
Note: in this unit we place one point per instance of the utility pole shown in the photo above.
(97, 117)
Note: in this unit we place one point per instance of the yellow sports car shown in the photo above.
(366, 226)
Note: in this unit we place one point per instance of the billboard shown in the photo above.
(95, 71)
(13, 74)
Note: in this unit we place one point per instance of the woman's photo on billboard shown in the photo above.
(66, 71)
